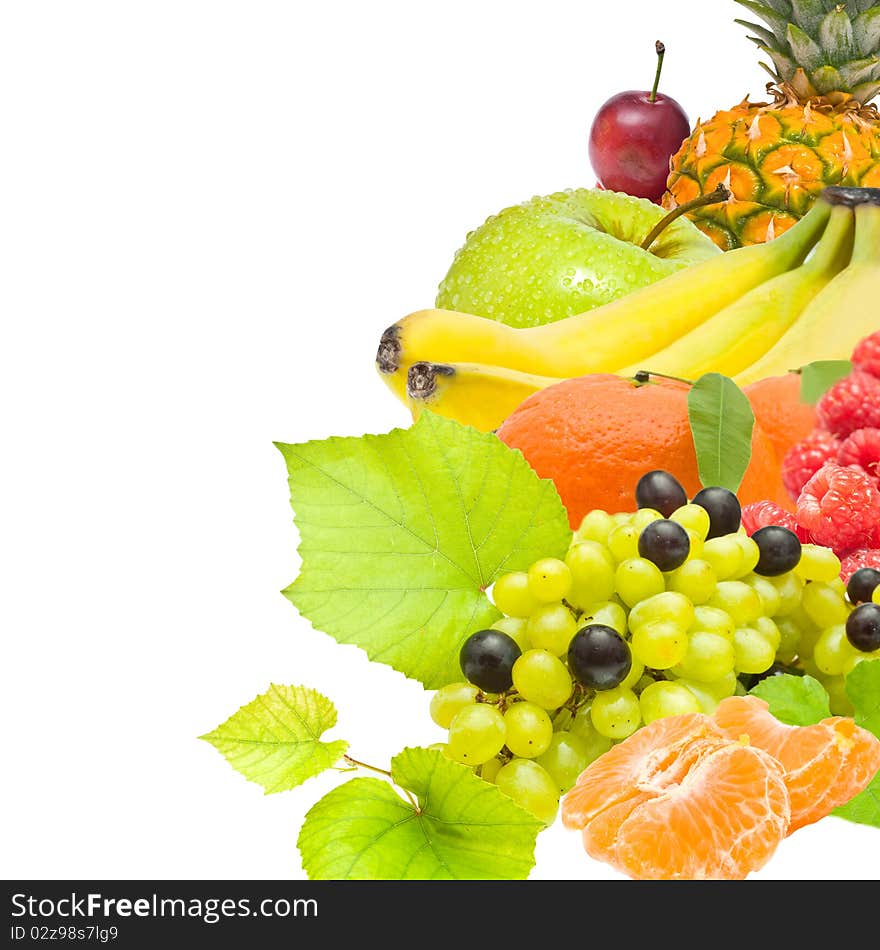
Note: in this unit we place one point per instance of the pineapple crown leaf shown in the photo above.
(866, 32)
(819, 47)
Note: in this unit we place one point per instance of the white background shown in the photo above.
(210, 211)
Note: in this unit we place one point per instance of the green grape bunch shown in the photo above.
(662, 611)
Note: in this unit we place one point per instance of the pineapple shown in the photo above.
(819, 130)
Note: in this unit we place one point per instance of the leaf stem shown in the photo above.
(644, 376)
(374, 768)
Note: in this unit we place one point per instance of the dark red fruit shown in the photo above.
(633, 137)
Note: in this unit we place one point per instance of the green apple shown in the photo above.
(562, 254)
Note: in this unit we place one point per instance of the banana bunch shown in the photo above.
(754, 312)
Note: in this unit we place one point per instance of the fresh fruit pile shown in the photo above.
(833, 474)
(661, 612)
(819, 130)
(750, 313)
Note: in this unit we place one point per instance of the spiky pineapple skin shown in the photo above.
(776, 160)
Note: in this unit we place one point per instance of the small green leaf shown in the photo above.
(818, 377)
(721, 421)
(275, 740)
(795, 700)
(402, 533)
(463, 829)
(863, 689)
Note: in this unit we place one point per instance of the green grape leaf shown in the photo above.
(721, 421)
(463, 829)
(402, 533)
(818, 377)
(863, 689)
(795, 700)
(275, 740)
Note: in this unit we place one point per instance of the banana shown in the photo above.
(607, 337)
(742, 332)
(475, 394)
(844, 312)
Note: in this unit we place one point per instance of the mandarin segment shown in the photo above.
(678, 800)
(825, 764)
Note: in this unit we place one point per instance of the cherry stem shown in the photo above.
(661, 52)
(721, 193)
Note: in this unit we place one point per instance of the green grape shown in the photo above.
(531, 787)
(437, 747)
(790, 588)
(592, 572)
(616, 712)
(489, 770)
(637, 579)
(606, 612)
(751, 554)
(551, 628)
(669, 606)
(817, 564)
(512, 596)
(838, 698)
(515, 628)
(725, 556)
(566, 757)
(549, 580)
(832, 650)
(709, 656)
(754, 652)
(693, 517)
(634, 675)
(643, 682)
(766, 626)
(824, 605)
(643, 517)
(621, 517)
(476, 734)
(875, 597)
(713, 620)
(542, 679)
(623, 542)
(660, 645)
(596, 526)
(789, 639)
(529, 729)
(582, 727)
(737, 599)
(695, 551)
(838, 585)
(768, 594)
(857, 657)
(707, 703)
(449, 700)
(724, 686)
(665, 698)
(695, 579)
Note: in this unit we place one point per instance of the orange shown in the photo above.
(825, 764)
(679, 800)
(776, 402)
(596, 435)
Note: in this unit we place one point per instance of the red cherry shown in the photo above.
(633, 136)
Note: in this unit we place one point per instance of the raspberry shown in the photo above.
(862, 448)
(840, 507)
(805, 458)
(864, 557)
(866, 356)
(760, 514)
(850, 404)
